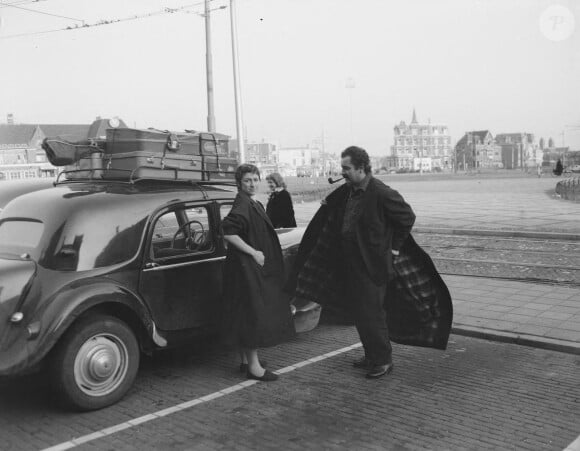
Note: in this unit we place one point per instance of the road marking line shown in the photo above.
(574, 446)
(188, 404)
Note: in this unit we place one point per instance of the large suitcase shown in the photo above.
(123, 140)
(169, 166)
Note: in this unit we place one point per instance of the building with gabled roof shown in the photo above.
(477, 149)
(416, 143)
(21, 155)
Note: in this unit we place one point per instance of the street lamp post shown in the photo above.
(350, 85)
(237, 89)
(209, 70)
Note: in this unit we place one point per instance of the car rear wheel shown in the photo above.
(95, 363)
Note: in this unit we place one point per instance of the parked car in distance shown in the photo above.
(92, 273)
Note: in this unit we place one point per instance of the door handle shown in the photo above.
(151, 265)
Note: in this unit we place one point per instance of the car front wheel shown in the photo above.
(95, 363)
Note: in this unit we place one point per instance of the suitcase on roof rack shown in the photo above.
(153, 165)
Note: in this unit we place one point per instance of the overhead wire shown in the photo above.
(19, 2)
(103, 22)
(40, 12)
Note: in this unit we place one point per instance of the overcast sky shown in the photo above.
(502, 65)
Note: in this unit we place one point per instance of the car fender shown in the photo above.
(75, 300)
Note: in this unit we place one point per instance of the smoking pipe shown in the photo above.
(331, 180)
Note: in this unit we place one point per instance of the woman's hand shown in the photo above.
(259, 257)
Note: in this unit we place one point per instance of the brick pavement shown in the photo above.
(527, 313)
(476, 395)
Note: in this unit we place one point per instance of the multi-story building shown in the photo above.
(295, 156)
(477, 149)
(415, 142)
(518, 150)
(21, 155)
(258, 153)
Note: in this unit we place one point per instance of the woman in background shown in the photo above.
(279, 208)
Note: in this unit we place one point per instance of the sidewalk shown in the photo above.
(532, 314)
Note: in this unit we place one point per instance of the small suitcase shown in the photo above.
(63, 153)
(90, 166)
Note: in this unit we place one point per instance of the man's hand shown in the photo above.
(395, 253)
(259, 257)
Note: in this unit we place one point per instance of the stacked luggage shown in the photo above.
(133, 154)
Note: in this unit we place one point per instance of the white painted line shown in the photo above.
(574, 446)
(88, 438)
(188, 404)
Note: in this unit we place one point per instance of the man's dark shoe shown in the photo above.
(363, 363)
(379, 370)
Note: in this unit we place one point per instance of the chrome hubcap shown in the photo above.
(101, 365)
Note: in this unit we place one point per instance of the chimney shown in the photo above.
(10, 119)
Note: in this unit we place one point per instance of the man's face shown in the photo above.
(349, 172)
(250, 183)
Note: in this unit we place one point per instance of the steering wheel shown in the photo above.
(194, 239)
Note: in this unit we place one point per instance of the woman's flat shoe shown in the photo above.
(244, 366)
(267, 377)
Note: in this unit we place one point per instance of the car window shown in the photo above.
(85, 242)
(225, 210)
(21, 234)
(182, 232)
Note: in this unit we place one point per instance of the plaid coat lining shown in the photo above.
(418, 303)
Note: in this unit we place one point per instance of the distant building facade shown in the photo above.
(478, 149)
(415, 142)
(21, 154)
(519, 150)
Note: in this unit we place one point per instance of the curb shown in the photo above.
(550, 344)
(500, 233)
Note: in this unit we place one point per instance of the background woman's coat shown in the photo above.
(280, 209)
(256, 311)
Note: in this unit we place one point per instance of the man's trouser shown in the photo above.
(366, 299)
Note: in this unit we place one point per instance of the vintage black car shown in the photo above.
(92, 273)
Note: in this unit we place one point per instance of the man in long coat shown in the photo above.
(358, 254)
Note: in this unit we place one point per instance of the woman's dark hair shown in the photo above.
(244, 169)
(358, 157)
(277, 179)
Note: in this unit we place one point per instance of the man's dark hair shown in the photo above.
(358, 157)
(242, 170)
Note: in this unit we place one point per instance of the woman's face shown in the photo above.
(250, 183)
(271, 185)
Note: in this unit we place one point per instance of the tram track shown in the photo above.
(531, 260)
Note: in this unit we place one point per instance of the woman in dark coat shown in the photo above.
(257, 312)
(279, 208)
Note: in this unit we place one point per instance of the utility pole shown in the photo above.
(350, 85)
(209, 70)
(237, 93)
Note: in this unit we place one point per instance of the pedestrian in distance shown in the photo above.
(256, 312)
(279, 207)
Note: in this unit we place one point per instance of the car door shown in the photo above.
(181, 278)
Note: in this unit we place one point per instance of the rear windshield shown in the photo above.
(19, 236)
